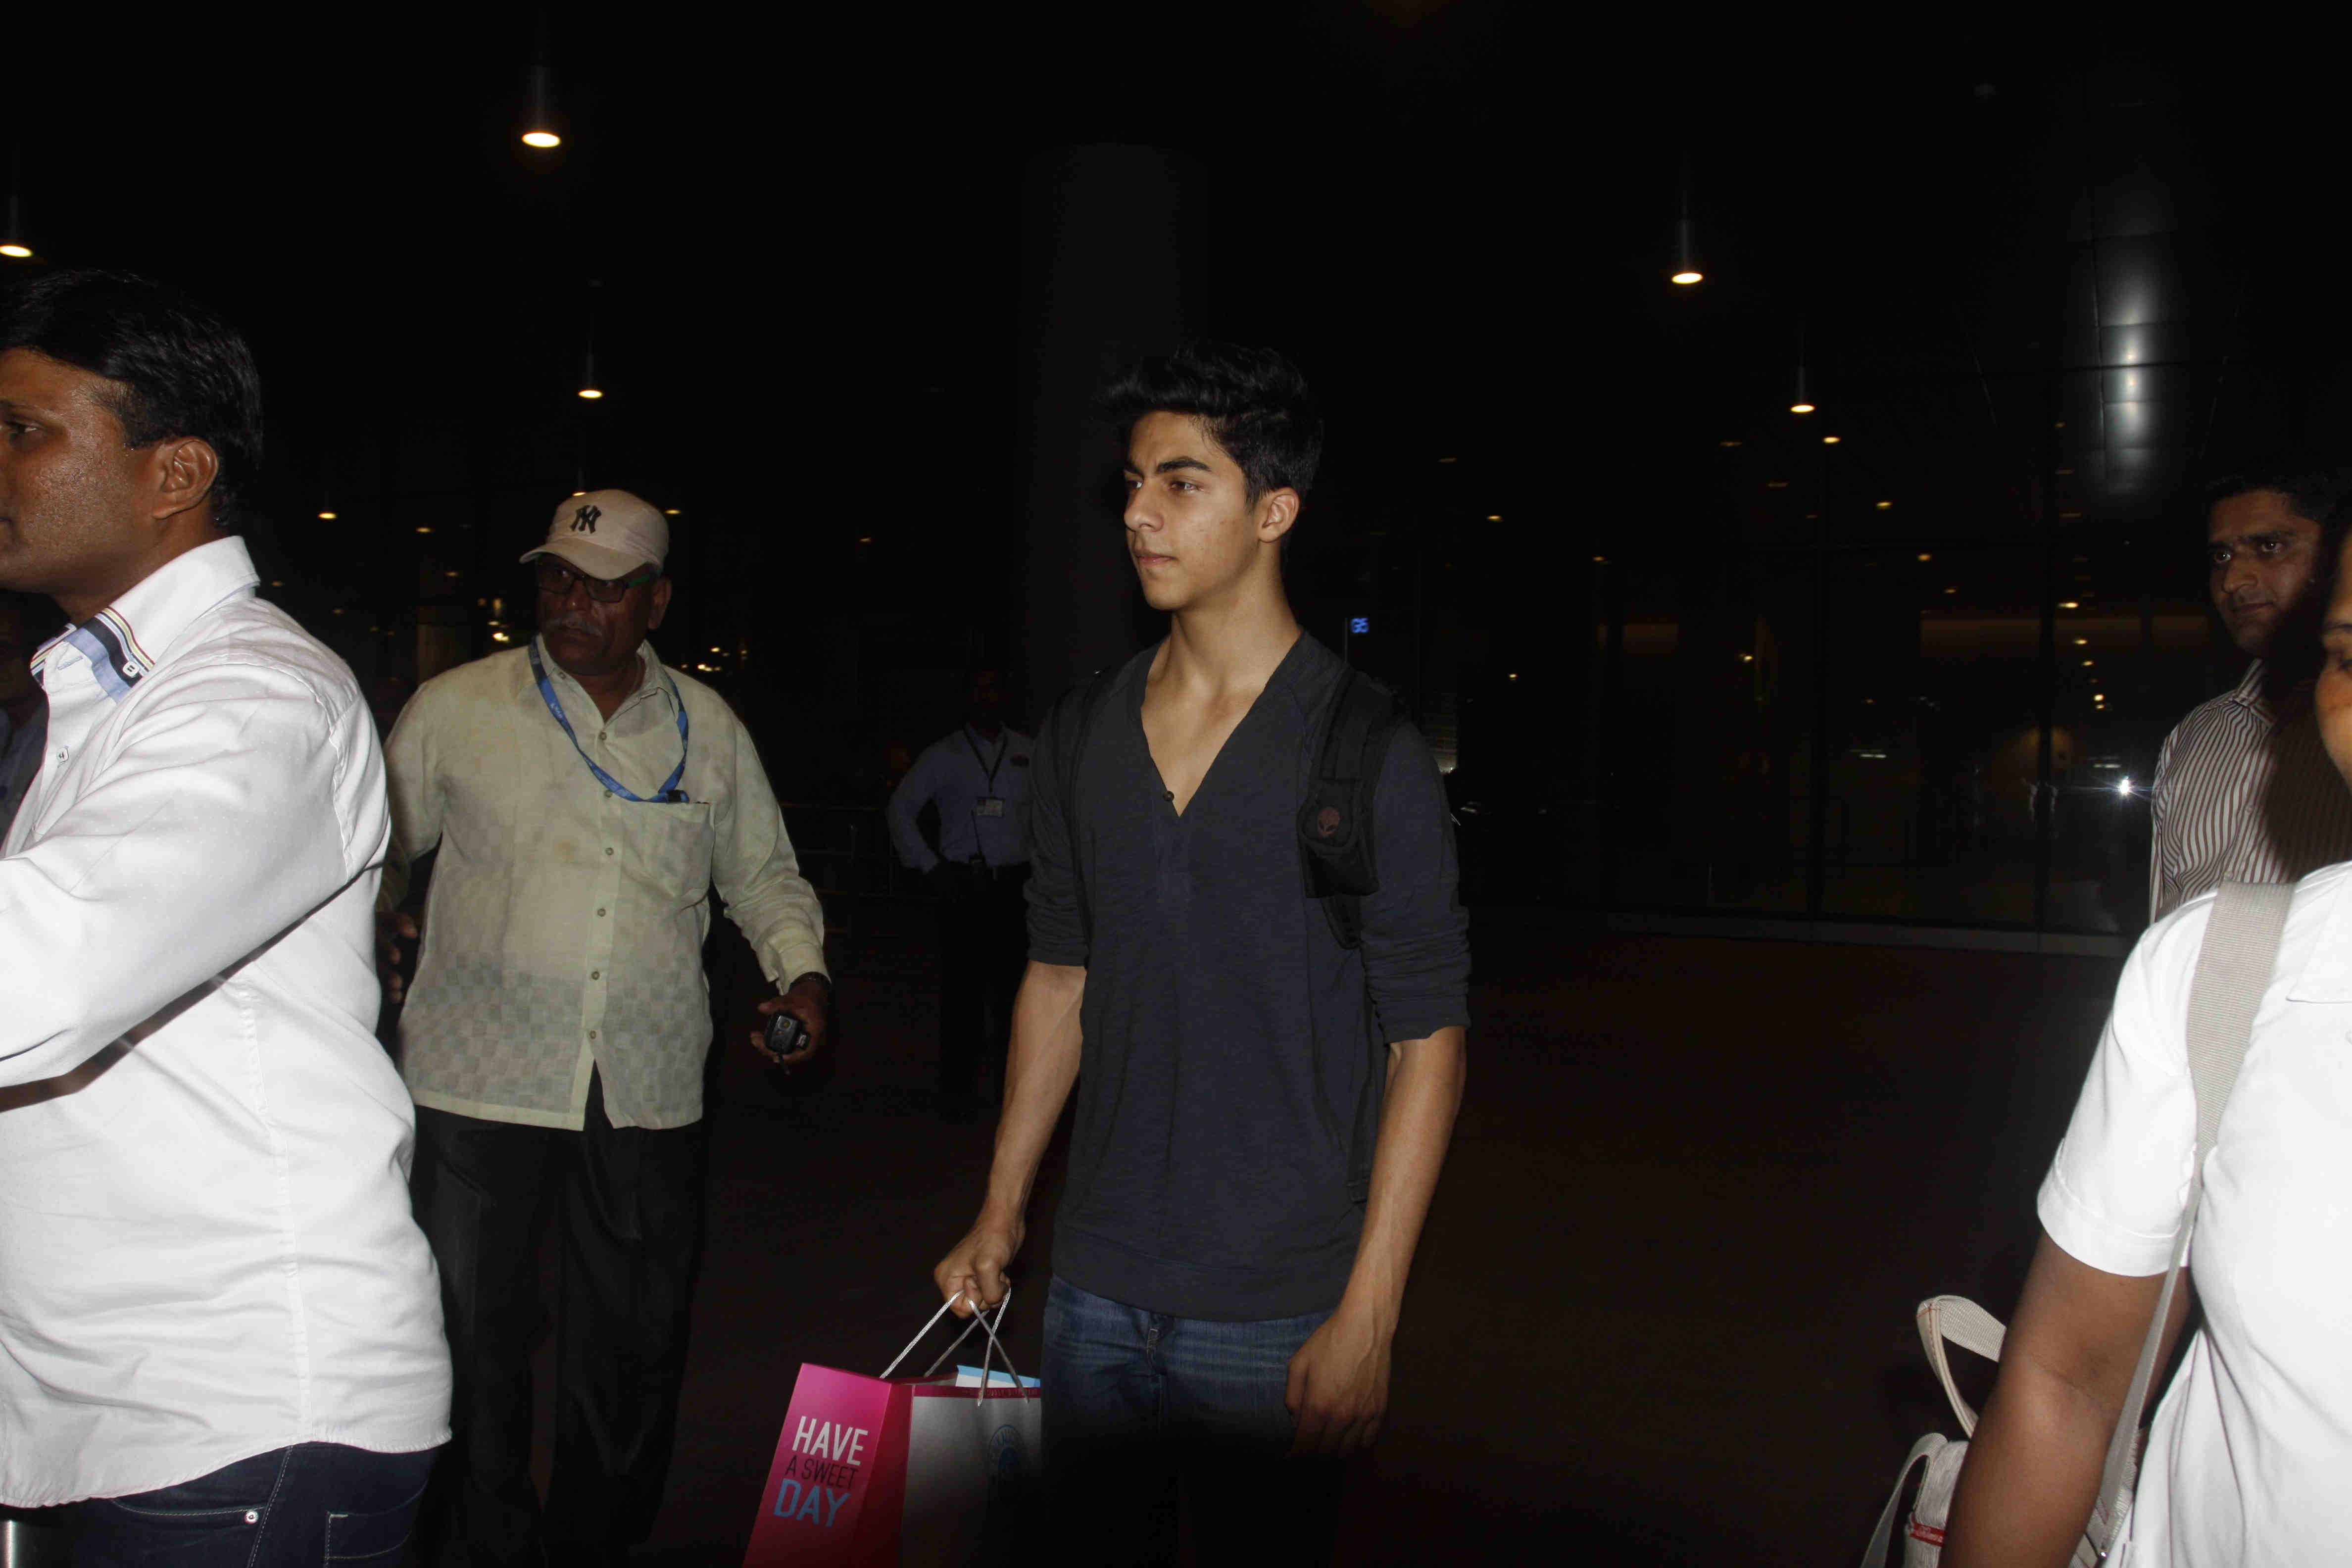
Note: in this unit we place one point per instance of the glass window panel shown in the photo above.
(1933, 737)
(1716, 813)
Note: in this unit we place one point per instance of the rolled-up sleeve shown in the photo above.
(2115, 1190)
(759, 875)
(213, 828)
(1057, 927)
(1416, 944)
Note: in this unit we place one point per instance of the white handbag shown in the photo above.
(2233, 971)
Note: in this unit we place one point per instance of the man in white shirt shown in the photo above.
(978, 781)
(24, 710)
(2243, 792)
(580, 799)
(216, 1312)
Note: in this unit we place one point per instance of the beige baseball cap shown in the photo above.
(606, 533)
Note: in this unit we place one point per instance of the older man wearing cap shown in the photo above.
(579, 800)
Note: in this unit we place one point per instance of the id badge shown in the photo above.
(989, 805)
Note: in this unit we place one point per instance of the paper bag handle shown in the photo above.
(980, 1320)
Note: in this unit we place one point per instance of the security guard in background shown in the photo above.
(978, 778)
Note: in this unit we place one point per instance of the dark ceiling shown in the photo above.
(803, 225)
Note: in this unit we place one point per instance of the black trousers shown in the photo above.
(628, 1205)
(983, 948)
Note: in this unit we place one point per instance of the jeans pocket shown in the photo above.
(371, 1536)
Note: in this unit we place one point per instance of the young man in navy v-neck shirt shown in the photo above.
(1223, 1303)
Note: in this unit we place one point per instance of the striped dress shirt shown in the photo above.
(2242, 797)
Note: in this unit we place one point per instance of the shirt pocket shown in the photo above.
(668, 851)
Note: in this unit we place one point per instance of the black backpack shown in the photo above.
(1335, 838)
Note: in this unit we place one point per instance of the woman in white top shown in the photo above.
(2249, 1456)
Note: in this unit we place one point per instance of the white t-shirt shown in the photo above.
(2250, 1456)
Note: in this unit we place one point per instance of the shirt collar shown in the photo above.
(2249, 692)
(652, 685)
(122, 641)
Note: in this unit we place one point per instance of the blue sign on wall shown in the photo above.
(1362, 625)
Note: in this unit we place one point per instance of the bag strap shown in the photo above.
(1966, 1325)
(1335, 820)
(2233, 974)
(1072, 722)
(1924, 1451)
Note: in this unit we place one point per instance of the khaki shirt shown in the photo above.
(563, 929)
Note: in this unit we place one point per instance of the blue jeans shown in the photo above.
(315, 1503)
(1141, 1406)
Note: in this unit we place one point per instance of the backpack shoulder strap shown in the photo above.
(1335, 820)
(1072, 722)
(2234, 965)
(2233, 974)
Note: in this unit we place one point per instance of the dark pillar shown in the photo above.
(1114, 264)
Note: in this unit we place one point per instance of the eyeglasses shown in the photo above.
(555, 580)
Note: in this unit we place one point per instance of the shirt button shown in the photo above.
(608, 849)
(252, 1516)
(592, 1034)
(599, 914)
(596, 975)
(61, 756)
(600, 734)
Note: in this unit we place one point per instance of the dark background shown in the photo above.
(799, 241)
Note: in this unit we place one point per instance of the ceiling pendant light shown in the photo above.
(541, 126)
(15, 239)
(590, 387)
(1686, 271)
(1800, 400)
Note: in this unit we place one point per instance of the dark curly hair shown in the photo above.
(183, 370)
(1255, 404)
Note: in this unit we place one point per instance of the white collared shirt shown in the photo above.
(564, 925)
(2247, 1457)
(962, 774)
(206, 1246)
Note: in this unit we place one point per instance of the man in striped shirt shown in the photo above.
(2243, 792)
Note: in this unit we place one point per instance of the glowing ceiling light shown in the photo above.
(326, 516)
(15, 239)
(1801, 402)
(2069, 604)
(591, 393)
(1686, 271)
(1831, 440)
(540, 127)
(1494, 517)
(1925, 556)
(424, 531)
(1887, 506)
(671, 511)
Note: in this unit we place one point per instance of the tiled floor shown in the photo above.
(1662, 1310)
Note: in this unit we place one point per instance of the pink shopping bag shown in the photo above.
(872, 1472)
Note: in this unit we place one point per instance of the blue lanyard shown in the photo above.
(669, 794)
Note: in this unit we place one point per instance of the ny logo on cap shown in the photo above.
(584, 519)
